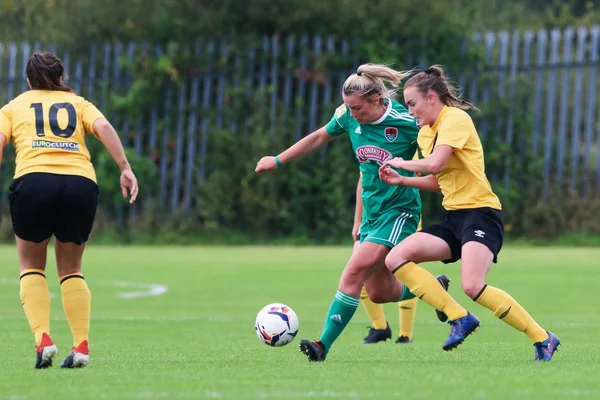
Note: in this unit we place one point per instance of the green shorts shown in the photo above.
(389, 229)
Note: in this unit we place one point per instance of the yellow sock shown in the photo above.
(374, 311)
(76, 298)
(36, 302)
(508, 310)
(407, 310)
(424, 285)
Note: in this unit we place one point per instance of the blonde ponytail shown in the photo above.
(374, 79)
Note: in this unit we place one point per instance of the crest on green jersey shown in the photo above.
(390, 134)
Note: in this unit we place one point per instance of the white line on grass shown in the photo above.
(327, 394)
(139, 318)
(145, 289)
(151, 289)
(163, 395)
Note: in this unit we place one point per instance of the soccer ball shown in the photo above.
(276, 325)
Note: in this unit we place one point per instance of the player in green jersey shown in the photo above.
(380, 330)
(380, 129)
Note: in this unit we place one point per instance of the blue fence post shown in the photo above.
(250, 81)
(516, 37)
(274, 78)
(25, 54)
(341, 74)
(236, 85)
(12, 71)
(301, 90)
(91, 75)
(288, 86)
(191, 141)
(313, 105)
(153, 152)
(542, 38)
(590, 119)
(179, 140)
(288, 82)
(555, 37)
(503, 44)
(473, 84)
(564, 104)
(221, 78)
(327, 90)
(206, 102)
(576, 126)
(10, 94)
(164, 148)
(490, 41)
(105, 76)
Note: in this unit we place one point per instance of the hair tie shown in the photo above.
(359, 73)
(428, 71)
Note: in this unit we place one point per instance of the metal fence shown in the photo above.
(555, 71)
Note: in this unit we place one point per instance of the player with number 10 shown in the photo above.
(54, 194)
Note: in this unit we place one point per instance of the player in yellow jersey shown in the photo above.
(380, 330)
(54, 194)
(472, 229)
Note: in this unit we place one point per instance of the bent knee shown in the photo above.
(354, 278)
(472, 288)
(379, 298)
(395, 258)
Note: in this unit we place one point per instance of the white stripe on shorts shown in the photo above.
(397, 229)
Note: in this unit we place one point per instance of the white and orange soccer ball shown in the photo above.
(276, 325)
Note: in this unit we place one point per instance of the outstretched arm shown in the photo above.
(392, 177)
(433, 164)
(304, 146)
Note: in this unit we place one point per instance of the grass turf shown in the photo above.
(197, 339)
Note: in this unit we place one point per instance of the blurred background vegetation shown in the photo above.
(306, 201)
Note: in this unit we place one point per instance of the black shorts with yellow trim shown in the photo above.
(44, 204)
(483, 225)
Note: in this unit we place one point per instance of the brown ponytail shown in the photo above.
(44, 71)
(433, 79)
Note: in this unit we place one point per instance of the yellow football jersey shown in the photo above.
(48, 130)
(463, 182)
(420, 227)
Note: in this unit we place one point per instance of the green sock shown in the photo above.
(340, 313)
(406, 294)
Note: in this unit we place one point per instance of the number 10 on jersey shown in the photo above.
(65, 132)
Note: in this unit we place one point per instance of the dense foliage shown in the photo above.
(312, 198)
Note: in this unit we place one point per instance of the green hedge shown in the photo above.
(312, 199)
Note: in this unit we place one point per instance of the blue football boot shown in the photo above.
(545, 350)
(459, 330)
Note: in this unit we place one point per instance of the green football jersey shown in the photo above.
(393, 135)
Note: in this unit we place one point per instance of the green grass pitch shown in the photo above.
(197, 339)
